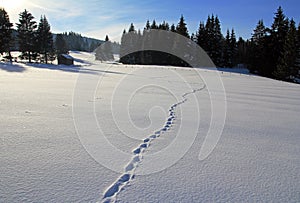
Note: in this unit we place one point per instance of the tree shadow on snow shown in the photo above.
(72, 68)
(12, 67)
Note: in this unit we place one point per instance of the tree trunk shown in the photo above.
(29, 56)
(46, 58)
(10, 57)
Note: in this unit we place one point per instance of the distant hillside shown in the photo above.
(75, 41)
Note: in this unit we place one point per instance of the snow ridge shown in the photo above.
(110, 195)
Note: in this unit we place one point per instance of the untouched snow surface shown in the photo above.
(43, 158)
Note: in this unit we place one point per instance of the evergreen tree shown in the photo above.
(153, 25)
(214, 40)
(202, 36)
(131, 28)
(181, 28)
(227, 51)
(259, 32)
(164, 26)
(285, 67)
(243, 53)
(217, 42)
(61, 44)
(44, 38)
(279, 31)
(147, 27)
(233, 48)
(173, 28)
(258, 47)
(26, 34)
(5, 33)
(297, 60)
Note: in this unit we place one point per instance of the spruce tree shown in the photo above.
(227, 55)
(131, 28)
(173, 28)
(233, 48)
(285, 67)
(26, 34)
(44, 38)
(147, 27)
(201, 36)
(258, 46)
(297, 59)
(279, 31)
(5, 33)
(218, 41)
(154, 25)
(181, 28)
(214, 40)
(61, 45)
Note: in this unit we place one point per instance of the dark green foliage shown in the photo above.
(147, 27)
(6, 37)
(210, 38)
(201, 36)
(279, 31)
(258, 49)
(61, 45)
(273, 51)
(153, 25)
(44, 39)
(147, 57)
(27, 35)
(181, 28)
(76, 41)
(131, 28)
(227, 55)
(297, 60)
(173, 28)
(285, 66)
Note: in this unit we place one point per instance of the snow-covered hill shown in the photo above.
(53, 118)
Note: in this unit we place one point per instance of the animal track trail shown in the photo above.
(110, 195)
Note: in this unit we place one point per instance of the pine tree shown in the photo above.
(297, 60)
(153, 25)
(181, 28)
(173, 28)
(131, 28)
(164, 26)
(233, 48)
(44, 38)
(147, 27)
(243, 54)
(61, 45)
(214, 40)
(5, 33)
(26, 34)
(279, 31)
(217, 42)
(258, 46)
(227, 51)
(259, 32)
(285, 67)
(202, 36)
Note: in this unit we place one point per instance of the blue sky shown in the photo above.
(96, 18)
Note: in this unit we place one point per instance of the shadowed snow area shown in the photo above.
(43, 160)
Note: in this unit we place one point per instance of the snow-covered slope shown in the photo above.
(143, 111)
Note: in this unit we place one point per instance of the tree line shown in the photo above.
(36, 41)
(272, 52)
